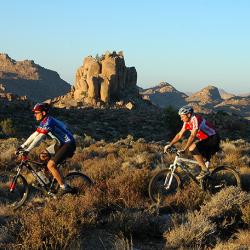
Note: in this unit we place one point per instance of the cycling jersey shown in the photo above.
(205, 129)
(55, 128)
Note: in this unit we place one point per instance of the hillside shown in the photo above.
(163, 94)
(25, 78)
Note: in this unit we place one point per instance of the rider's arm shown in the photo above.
(178, 136)
(30, 139)
(36, 141)
(191, 139)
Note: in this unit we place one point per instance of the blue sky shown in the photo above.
(187, 43)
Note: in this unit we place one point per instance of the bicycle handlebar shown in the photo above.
(173, 150)
(22, 153)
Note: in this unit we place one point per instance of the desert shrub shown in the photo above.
(232, 154)
(54, 227)
(7, 127)
(84, 141)
(128, 188)
(102, 169)
(218, 214)
(139, 223)
(240, 241)
(188, 198)
(104, 239)
(191, 233)
(228, 199)
(246, 214)
(7, 149)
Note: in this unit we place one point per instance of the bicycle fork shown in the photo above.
(169, 177)
(14, 181)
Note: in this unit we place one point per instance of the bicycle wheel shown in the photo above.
(157, 188)
(78, 182)
(16, 197)
(223, 177)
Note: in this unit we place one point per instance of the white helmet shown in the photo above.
(185, 110)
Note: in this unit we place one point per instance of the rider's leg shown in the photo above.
(54, 171)
(198, 157)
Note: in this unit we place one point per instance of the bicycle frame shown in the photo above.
(25, 162)
(179, 162)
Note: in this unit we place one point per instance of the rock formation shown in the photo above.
(105, 78)
(25, 78)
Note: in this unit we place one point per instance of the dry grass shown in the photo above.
(191, 233)
(119, 200)
(55, 226)
(217, 214)
(242, 242)
(246, 213)
(189, 198)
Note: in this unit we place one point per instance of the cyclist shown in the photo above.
(208, 143)
(64, 146)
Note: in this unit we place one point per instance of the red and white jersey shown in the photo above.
(205, 129)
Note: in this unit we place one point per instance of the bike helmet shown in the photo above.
(185, 110)
(41, 107)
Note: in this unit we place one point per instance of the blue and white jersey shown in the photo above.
(55, 128)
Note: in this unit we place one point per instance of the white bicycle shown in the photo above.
(167, 181)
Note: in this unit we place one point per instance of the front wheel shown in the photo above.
(161, 186)
(223, 177)
(78, 182)
(14, 190)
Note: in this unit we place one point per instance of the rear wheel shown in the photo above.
(158, 186)
(13, 190)
(223, 177)
(78, 182)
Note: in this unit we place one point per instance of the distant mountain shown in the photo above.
(25, 78)
(225, 95)
(245, 95)
(163, 95)
(206, 100)
(237, 105)
(208, 95)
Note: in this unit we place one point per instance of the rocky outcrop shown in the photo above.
(25, 78)
(106, 79)
(163, 95)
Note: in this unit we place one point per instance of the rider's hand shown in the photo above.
(166, 148)
(22, 151)
(19, 150)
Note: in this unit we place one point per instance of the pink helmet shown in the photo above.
(41, 107)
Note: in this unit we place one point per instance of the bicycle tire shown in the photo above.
(221, 177)
(156, 189)
(13, 199)
(79, 182)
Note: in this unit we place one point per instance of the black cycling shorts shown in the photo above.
(208, 147)
(65, 151)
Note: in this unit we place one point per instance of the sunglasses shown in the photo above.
(36, 113)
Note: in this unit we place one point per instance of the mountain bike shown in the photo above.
(14, 188)
(168, 181)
